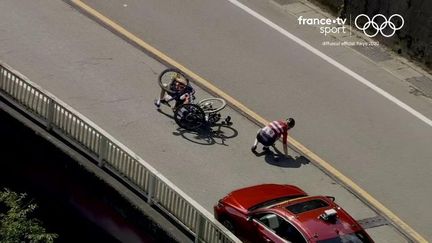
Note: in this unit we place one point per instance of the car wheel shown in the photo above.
(229, 225)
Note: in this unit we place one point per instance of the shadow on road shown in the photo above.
(166, 114)
(216, 134)
(277, 158)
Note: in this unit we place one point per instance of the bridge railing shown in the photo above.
(63, 120)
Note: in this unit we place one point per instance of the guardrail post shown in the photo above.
(152, 186)
(2, 76)
(50, 117)
(199, 226)
(103, 144)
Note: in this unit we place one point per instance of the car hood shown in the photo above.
(246, 198)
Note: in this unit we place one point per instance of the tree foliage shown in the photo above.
(16, 223)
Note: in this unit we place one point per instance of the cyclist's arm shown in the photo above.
(285, 142)
(285, 136)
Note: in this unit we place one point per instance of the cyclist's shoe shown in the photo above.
(157, 103)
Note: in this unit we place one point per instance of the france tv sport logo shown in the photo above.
(387, 27)
(326, 25)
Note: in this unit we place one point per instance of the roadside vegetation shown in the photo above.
(16, 221)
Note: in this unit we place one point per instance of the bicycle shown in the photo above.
(193, 116)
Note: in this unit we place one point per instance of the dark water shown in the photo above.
(72, 203)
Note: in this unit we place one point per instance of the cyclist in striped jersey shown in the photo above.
(268, 135)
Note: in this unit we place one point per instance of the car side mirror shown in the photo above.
(331, 198)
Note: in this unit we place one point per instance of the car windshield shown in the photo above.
(306, 206)
(273, 201)
(357, 237)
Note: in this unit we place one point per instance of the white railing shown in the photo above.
(64, 121)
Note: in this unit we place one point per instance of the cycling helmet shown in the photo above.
(181, 79)
(291, 122)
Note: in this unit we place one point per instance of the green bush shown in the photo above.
(16, 224)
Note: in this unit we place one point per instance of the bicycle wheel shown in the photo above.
(167, 76)
(189, 116)
(211, 105)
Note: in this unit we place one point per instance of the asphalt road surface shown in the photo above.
(375, 142)
(363, 134)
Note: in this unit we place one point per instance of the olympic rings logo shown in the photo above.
(378, 28)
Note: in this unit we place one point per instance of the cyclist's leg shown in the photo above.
(257, 137)
(165, 100)
(157, 102)
(266, 141)
(267, 145)
(164, 97)
(162, 93)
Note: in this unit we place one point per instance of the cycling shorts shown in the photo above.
(265, 138)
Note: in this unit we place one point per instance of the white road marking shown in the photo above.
(333, 62)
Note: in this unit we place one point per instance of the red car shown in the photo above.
(285, 213)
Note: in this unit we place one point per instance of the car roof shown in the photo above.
(249, 197)
(311, 222)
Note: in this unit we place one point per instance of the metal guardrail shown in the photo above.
(63, 120)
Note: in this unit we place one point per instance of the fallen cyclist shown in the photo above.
(188, 114)
(179, 90)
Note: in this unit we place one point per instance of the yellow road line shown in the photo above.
(312, 156)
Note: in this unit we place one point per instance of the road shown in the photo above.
(360, 132)
(364, 135)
